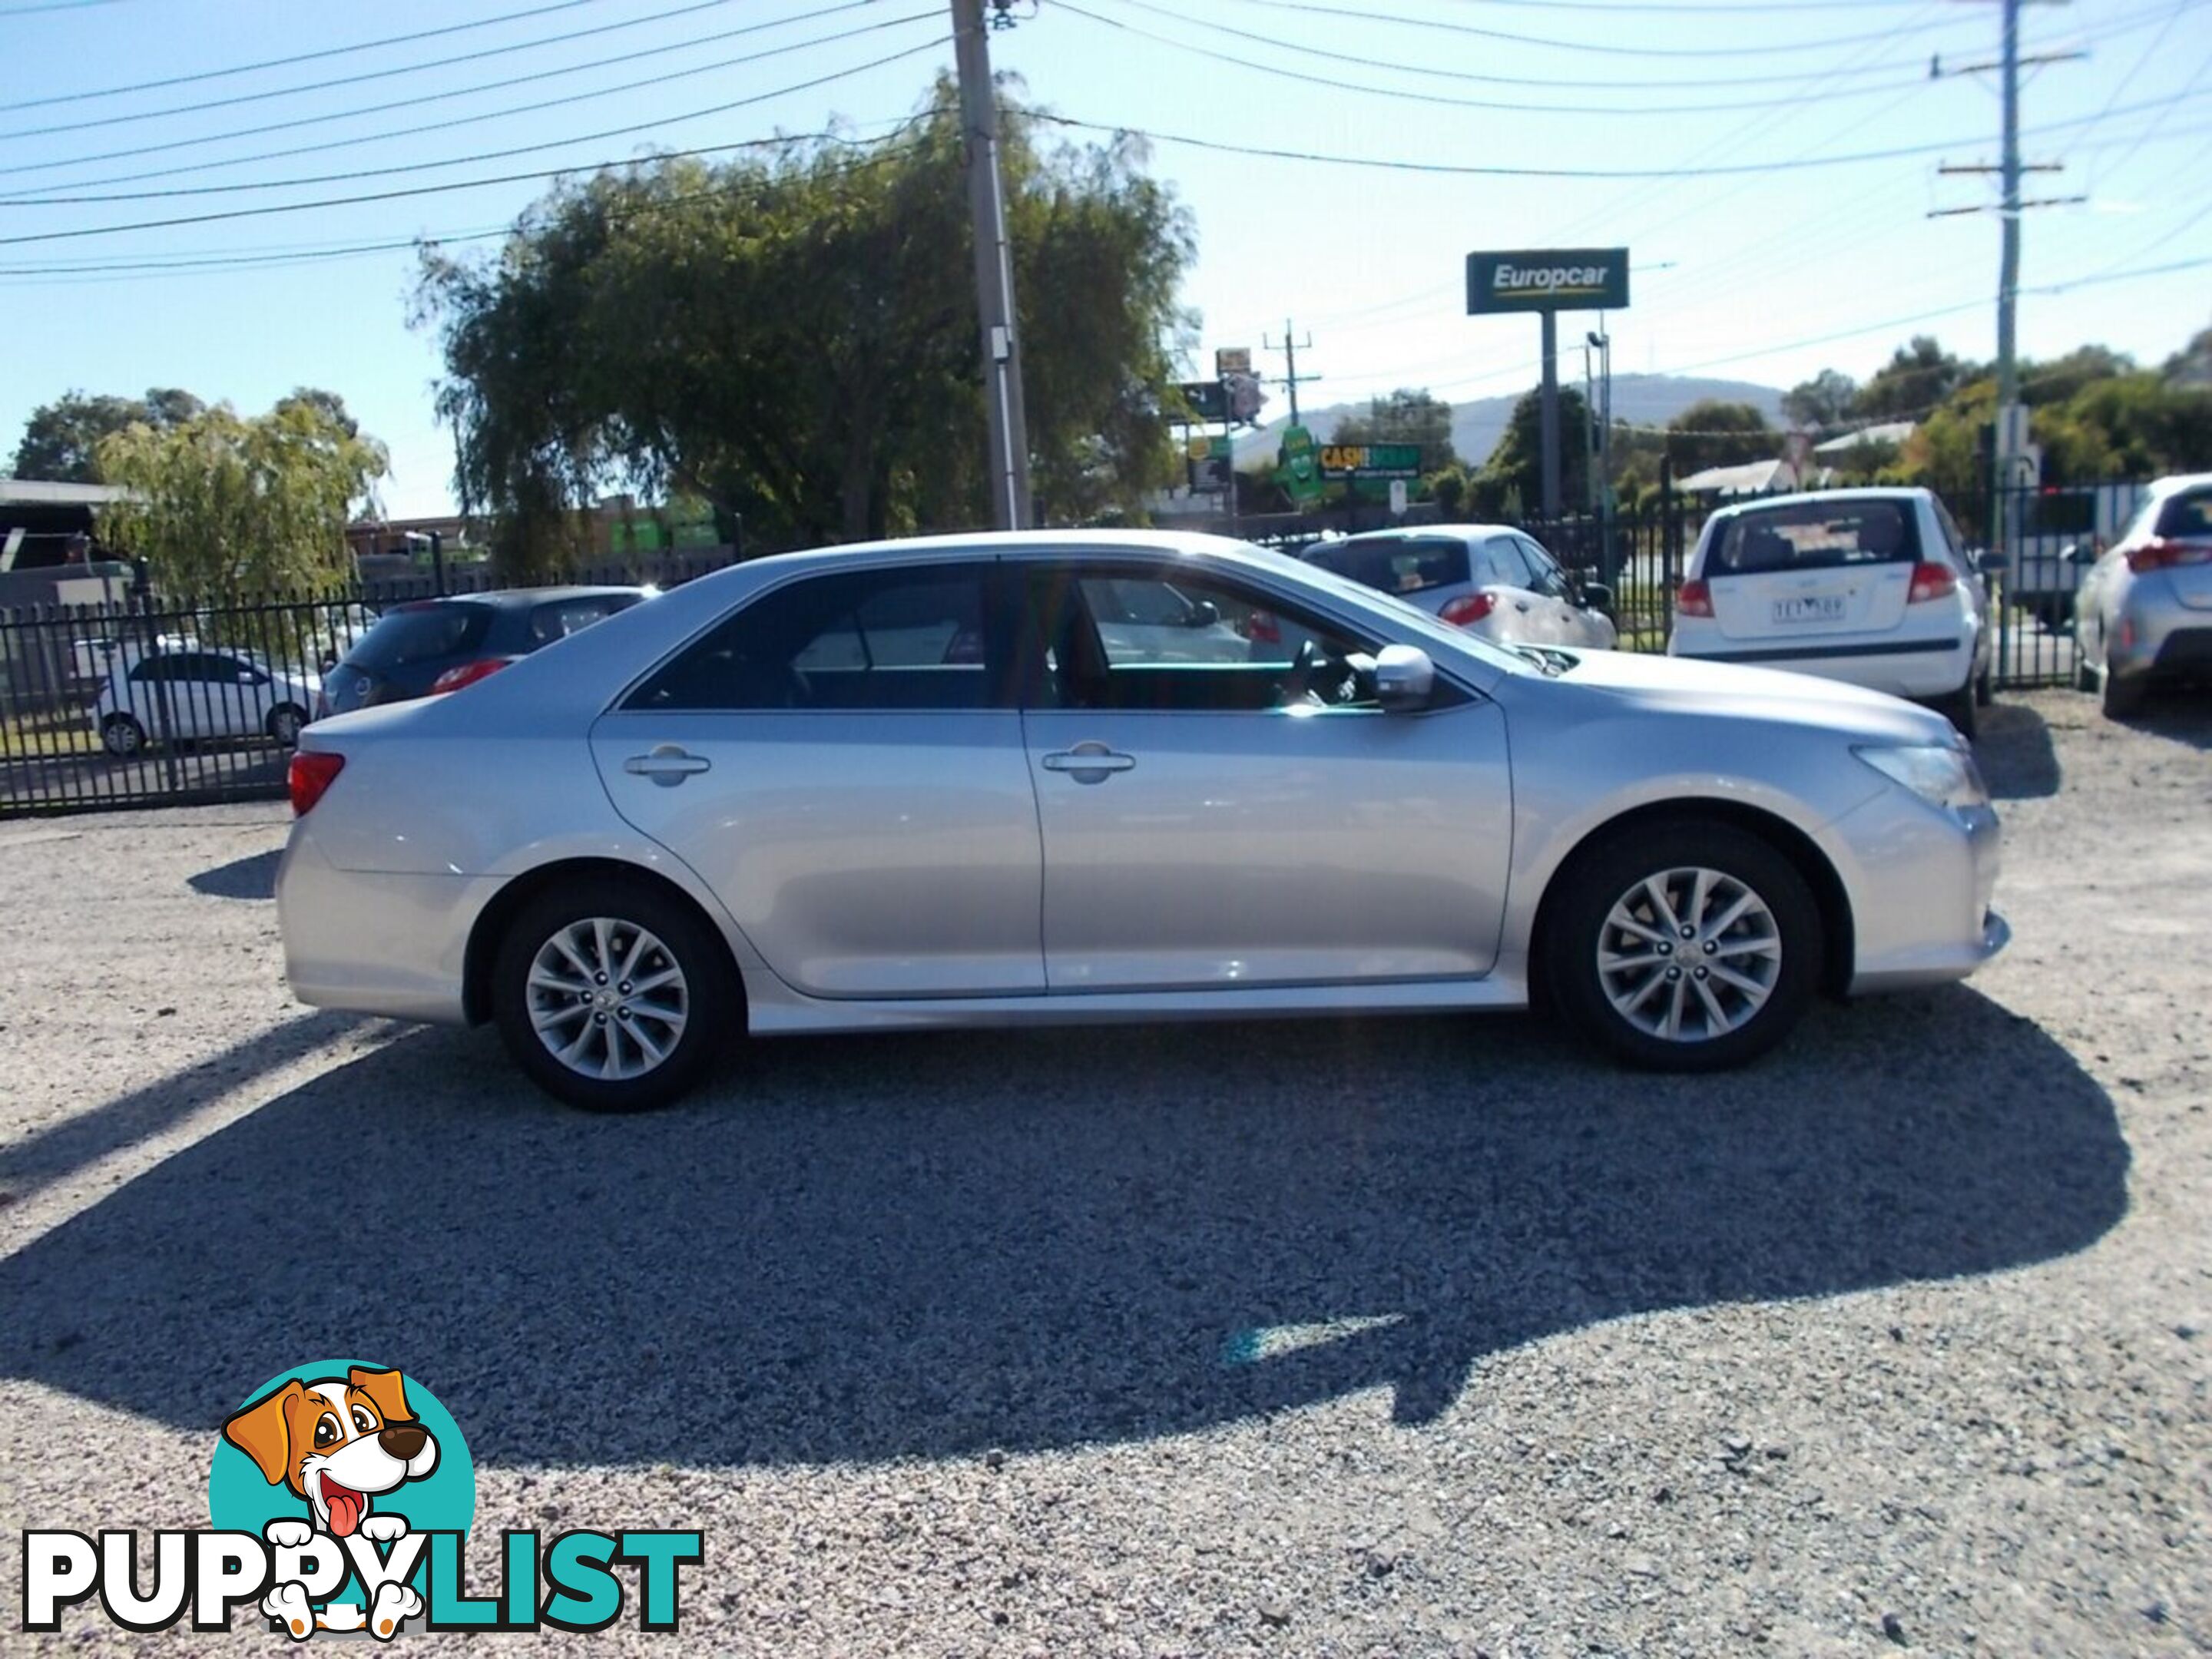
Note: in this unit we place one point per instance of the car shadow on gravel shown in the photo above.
(929, 1246)
(2182, 716)
(2015, 753)
(253, 877)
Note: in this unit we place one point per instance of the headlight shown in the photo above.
(1938, 774)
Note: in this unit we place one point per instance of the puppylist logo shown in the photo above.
(340, 1499)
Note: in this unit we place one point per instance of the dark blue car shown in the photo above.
(442, 645)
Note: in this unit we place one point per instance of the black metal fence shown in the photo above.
(146, 703)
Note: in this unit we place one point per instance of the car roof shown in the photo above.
(1825, 497)
(517, 598)
(2180, 482)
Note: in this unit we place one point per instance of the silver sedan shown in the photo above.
(2144, 614)
(917, 784)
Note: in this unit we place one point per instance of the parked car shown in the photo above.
(1875, 587)
(193, 693)
(2144, 615)
(694, 819)
(2054, 538)
(442, 645)
(1491, 578)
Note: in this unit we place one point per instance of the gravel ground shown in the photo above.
(1397, 1337)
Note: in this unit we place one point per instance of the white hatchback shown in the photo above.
(196, 692)
(1871, 586)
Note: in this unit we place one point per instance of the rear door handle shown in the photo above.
(1088, 762)
(667, 765)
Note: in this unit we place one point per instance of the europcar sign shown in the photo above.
(1548, 279)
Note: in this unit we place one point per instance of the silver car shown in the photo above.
(2144, 613)
(1489, 578)
(725, 812)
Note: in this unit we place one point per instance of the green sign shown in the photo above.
(1370, 461)
(1298, 471)
(1548, 279)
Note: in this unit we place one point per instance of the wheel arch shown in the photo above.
(493, 921)
(1839, 941)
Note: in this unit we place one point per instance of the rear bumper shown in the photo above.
(379, 944)
(1916, 668)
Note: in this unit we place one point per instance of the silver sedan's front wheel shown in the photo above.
(1689, 955)
(1689, 945)
(613, 995)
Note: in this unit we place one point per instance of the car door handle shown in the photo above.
(1521, 605)
(667, 766)
(1089, 762)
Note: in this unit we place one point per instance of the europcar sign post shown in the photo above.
(1548, 281)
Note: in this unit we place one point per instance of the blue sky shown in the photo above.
(1765, 276)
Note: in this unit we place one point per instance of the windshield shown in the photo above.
(417, 633)
(1409, 620)
(1814, 536)
(1396, 564)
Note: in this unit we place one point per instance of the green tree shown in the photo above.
(222, 504)
(2062, 378)
(1407, 415)
(1822, 402)
(2191, 365)
(61, 440)
(1448, 488)
(1513, 476)
(1918, 378)
(1713, 432)
(791, 336)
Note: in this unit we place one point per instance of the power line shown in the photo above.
(1473, 170)
(365, 75)
(478, 184)
(1582, 83)
(1338, 84)
(1734, 48)
(298, 58)
(322, 118)
(48, 200)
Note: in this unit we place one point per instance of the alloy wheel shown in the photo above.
(1687, 955)
(607, 998)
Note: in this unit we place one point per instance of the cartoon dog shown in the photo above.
(337, 1443)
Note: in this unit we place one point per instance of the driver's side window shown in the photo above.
(1138, 640)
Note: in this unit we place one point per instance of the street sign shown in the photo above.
(1397, 498)
(1211, 466)
(1548, 279)
(1231, 359)
(1208, 400)
(1370, 461)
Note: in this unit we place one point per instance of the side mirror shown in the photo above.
(1405, 678)
(1596, 596)
(1992, 564)
(1204, 614)
(2076, 553)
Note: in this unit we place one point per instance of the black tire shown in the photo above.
(711, 1002)
(284, 723)
(2085, 677)
(1985, 688)
(1961, 710)
(123, 736)
(1579, 926)
(2123, 697)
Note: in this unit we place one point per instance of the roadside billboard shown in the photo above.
(1548, 279)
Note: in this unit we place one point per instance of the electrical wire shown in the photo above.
(505, 179)
(1734, 48)
(1336, 83)
(50, 200)
(323, 118)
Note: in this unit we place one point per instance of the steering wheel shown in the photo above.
(1298, 685)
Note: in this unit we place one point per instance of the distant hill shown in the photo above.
(1477, 424)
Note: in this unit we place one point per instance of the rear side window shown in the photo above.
(1814, 536)
(414, 633)
(901, 639)
(1397, 564)
(2187, 516)
(562, 617)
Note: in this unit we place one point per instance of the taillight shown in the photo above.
(1931, 581)
(1468, 609)
(469, 673)
(1695, 599)
(310, 776)
(2163, 553)
(1261, 629)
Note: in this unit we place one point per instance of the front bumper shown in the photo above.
(1921, 887)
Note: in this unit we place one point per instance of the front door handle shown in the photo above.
(1088, 762)
(667, 765)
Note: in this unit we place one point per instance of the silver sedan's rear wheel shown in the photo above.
(613, 995)
(1688, 945)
